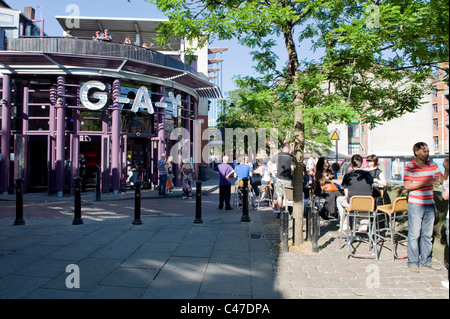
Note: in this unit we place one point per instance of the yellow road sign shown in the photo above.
(335, 136)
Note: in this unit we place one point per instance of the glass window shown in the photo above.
(353, 130)
(435, 125)
(353, 148)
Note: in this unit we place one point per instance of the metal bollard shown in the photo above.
(198, 203)
(77, 205)
(19, 202)
(137, 203)
(308, 223)
(98, 196)
(285, 230)
(245, 217)
(315, 230)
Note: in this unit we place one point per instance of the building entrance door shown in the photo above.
(138, 160)
(38, 164)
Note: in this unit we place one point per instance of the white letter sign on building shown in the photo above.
(146, 104)
(142, 98)
(101, 96)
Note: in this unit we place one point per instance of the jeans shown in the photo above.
(420, 234)
(162, 184)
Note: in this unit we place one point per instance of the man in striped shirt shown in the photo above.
(420, 176)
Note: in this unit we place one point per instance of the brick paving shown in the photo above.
(220, 248)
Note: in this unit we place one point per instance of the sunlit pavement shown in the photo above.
(169, 256)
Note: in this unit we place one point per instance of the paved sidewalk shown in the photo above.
(170, 257)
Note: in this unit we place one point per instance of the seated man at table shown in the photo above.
(356, 182)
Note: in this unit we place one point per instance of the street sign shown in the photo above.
(335, 136)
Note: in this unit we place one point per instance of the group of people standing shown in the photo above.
(165, 173)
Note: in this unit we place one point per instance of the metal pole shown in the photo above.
(98, 196)
(315, 229)
(19, 202)
(245, 217)
(137, 203)
(285, 230)
(198, 203)
(77, 198)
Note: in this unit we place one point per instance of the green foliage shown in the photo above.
(377, 56)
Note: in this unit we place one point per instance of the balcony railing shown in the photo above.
(87, 46)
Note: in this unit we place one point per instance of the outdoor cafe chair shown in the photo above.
(393, 213)
(361, 208)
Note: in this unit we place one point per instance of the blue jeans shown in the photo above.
(162, 184)
(420, 234)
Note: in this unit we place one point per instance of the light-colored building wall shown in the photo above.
(393, 138)
(398, 136)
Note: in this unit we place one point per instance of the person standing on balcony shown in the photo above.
(97, 35)
(106, 36)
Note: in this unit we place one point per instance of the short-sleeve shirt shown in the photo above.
(358, 182)
(162, 167)
(415, 174)
(224, 169)
(242, 171)
(284, 163)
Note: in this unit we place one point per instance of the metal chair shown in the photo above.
(288, 197)
(265, 194)
(361, 208)
(391, 212)
(238, 193)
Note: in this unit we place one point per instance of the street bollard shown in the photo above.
(77, 204)
(285, 230)
(198, 203)
(308, 223)
(98, 196)
(137, 203)
(315, 230)
(245, 217)
(19, 202)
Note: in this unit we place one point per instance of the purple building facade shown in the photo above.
(114, 103)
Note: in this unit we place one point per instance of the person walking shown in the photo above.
(169, 183)
(163, 173)
(188, 179)
(225, 170)
(284, 162)
(419, 178)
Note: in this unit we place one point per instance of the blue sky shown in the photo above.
(237, 59)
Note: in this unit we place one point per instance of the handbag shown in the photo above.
(329, 187)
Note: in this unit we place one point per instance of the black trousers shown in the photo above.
(330, 201)
(225, 195)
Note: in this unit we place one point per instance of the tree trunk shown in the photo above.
(299, 139)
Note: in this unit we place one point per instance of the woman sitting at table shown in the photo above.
(324, 187)
(378, 178)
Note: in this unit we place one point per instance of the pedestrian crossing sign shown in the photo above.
(335, 136)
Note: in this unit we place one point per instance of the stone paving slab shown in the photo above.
(170, 257)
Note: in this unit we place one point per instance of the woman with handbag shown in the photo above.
(169, 183)
(324, 187)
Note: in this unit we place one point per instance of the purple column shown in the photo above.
(60, 137)
(115, 139)
(6, 133)
(161, 125)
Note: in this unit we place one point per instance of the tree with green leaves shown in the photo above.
(375, 56)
